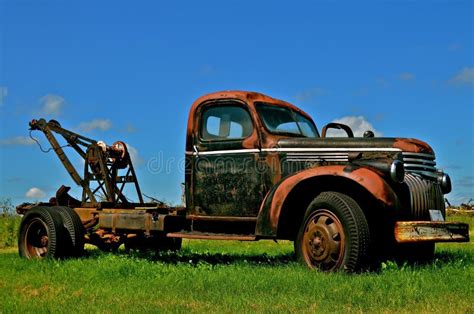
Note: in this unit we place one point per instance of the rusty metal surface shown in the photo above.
(108, 167)
(245, 97)
(89, 217)
(222, 218)
(242, 186)
(412, 145)
(267, 175)
(337, 126)
(324, 240)
(424, 195)
(104, 240)
(216, 183)
(211, 236)
(137, 220)
(270, 211)
(431, 231)
(36, 239)
(127, 220)
(227, 185)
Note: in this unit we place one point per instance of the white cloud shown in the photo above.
(134, 155)
(3, 94)
(52, 104)
(35, 193)
(96, 124)
(406, 76)
(18, 140)
(465, 76)
(358, 124)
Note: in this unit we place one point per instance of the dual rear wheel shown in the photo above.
(57, 232)
(51, 232)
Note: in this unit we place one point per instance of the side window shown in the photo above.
(225, 122)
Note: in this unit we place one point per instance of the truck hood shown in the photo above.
(404, 144)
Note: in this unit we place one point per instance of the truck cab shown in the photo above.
(258, 168)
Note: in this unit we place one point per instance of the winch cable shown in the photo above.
(41, 147)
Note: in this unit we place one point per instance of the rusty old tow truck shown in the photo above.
(256, 168)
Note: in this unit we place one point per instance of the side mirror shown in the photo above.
(337, 126)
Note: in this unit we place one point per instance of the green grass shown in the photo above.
(9, 223)
(8, 230)
(219, 276)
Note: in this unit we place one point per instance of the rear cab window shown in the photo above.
(225, 122)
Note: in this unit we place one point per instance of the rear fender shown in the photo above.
(272, 205)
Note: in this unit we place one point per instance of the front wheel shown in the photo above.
(334, 234)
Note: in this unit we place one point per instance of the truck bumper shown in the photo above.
(431, 231)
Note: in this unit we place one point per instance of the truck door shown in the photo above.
(225, 177)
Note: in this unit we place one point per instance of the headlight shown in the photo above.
(397, 171)
(445, 183)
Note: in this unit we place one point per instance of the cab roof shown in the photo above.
(246, 96)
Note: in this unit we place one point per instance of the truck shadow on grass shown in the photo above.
(441, 259)
(210, 258)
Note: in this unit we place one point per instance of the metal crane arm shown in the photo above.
(102, 164)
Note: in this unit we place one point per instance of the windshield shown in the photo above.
(286, 121)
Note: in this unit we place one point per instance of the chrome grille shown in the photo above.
(424, 195)
(423, 164)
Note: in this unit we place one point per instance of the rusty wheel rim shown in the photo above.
(323, 241)
(36, 239)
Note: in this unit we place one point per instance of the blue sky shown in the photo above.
(130, 71)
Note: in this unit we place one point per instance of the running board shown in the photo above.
(211, 236)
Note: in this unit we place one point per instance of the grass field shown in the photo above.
(218, 276)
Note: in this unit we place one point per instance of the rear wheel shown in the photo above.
(42, 234)
(334, 234)
(73, 225)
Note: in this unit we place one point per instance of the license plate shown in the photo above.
(436, 215)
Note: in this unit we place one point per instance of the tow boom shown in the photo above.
(101, 180)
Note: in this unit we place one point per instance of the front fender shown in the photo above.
(271, 208)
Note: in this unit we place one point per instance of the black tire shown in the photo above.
(334, 234)
(42, 234)
(73, 225)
